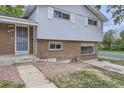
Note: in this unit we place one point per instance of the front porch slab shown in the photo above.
(16, 59)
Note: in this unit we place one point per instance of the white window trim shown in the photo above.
(50, 13)
(86, 45)
(61, 43)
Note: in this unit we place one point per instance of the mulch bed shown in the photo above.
(10, 73)
(51, 69)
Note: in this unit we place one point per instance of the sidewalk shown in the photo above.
(107, 65)
(33, 78)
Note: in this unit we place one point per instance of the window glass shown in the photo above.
(82, 50)
(87, 50)
(52, 46)
(55, 46)
(92, 49)
(58, 46)
(89, 21)
(92, 22)
(66, 16)
(57, 14)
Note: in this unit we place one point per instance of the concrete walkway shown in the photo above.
(33, 78)
(107, 65)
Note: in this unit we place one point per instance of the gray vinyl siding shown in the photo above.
(60, 29)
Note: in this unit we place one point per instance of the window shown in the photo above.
(52, 46)
(59, 14)
(87, 50)
(89, 21)
(66, 16)
(92, 22)
(55, 46)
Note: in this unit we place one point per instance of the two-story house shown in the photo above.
(54, 32)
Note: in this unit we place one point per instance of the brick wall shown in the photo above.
(31, 40)
(71, 49)
(6, 39)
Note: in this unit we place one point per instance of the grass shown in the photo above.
(115, 61)
(10, 84)
(112, 51)
(90, 78)
(116, 77)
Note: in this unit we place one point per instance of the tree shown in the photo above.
(12, 10)
(110, 42)
(122, 35)
(117, 44)
(117, 13)
(121, 45)
(109, 39)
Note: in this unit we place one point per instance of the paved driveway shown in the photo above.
(110, 55)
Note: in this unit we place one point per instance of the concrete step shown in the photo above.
(23, 61)
(13, 59)
(31, 60)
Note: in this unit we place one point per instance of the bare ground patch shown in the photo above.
(52, 69)
(10, 73)
(80, 75)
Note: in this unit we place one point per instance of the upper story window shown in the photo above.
(92, 22)
(59, 14)
(66, 16)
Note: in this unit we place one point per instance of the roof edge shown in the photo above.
(30, 8)
(98, 13)
(16, 20)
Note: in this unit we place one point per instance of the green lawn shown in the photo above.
(115, 61)
(10, 84)
(110, 51)
(90, 78)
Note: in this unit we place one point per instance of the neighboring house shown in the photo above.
(58, 32)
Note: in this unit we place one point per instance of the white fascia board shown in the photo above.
(28, 10)
(68, 39)
(17, 20)
(97, 13)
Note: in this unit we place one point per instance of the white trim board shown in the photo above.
(6, 19)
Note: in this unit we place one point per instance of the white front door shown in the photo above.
(22, 40)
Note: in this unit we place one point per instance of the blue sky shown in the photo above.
(110, 24)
